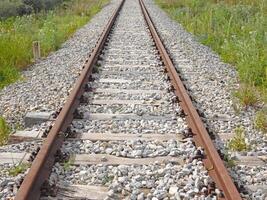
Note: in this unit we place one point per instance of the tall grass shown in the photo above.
(4, 131)
(236, 29)
(50, 28)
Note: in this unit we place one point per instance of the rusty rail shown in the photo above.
(30, 188)
(43, 163)
(213, 162)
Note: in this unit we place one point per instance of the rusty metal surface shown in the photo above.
(44, 161)
(213, 162)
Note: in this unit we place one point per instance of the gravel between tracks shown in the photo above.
(161, 180)
(211, 83)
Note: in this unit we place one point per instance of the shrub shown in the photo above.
(8, 8)
(39, 5)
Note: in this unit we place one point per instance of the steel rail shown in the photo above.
(213, 162)
(41, 167)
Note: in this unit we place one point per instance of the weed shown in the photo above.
(18, 127)
(96, 69)
(229, 162)
(261, 121)
(20, 168)
(106, 179)
(246, 95)
(238, 142)
(67, 165)
(4, 131)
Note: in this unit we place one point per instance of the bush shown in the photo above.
(10, 8)
(39, 5)
(24, 10)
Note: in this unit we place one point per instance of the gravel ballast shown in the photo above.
(167, 179)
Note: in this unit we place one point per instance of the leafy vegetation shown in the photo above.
(4, 131)
(67, 164)
(236, 29)
(238, 142)
(261, 121)
(51, 28)
(20, 168)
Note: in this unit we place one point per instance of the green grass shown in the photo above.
(261, 120)
(51, 28)
(18, 169)
(246, 95)
(238, 143)
(67, 164)
(235, 29)
(4, 131)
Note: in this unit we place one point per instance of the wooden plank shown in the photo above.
(82, 192)
(107, 116)
(22, 136)
(36, 49)
(250, 161)
(126, 102)
(124, 137)
(113, 80)
(135, 73)
(122, 81)
(93, 159)
(26, 134)
(134, 69)
(115, 91)
(107, 66)
(33, 118)
(13, 158)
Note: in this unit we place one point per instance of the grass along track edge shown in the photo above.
(233, 29)
(51, 29)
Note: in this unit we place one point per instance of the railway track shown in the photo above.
(128, 129)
